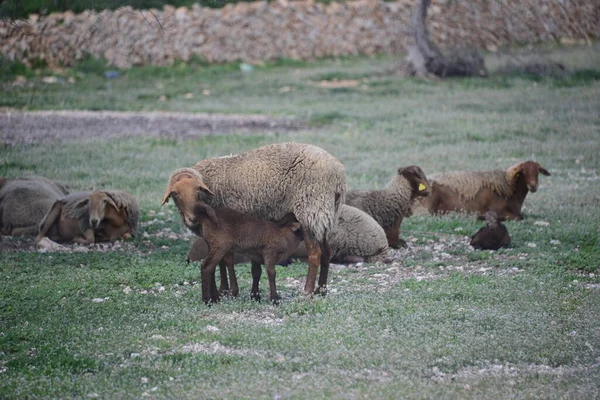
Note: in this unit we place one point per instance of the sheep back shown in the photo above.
(466, 184)
(25, 201)
(386, 205)
(274, 180)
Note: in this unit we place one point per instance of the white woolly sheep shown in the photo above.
(356, 238)
(269, 183)
(88, 217)
(493, 235)
(392, 204)
(503, 191)
(24, 202)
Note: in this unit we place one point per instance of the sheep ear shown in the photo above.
(481, 218)
(204, 188)
(501, 218)
(111, 201)
(82, 203)
(544, 171)
(166, 196)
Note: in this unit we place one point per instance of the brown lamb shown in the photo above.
(227, 231)
(392, 204)
(503, 191)
(493, 235)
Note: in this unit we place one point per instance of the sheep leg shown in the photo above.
(88, 237)
(273, 296)
(49, 219)
(256, 273)
(24, 231)
(228, 262)
(207, 274)
(313, 251)
(224, 286)
(393, 235)
(325, 259)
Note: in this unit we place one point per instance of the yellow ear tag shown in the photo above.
(422, 187)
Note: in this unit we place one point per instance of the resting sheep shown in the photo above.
(392, 204)
(493, 235)
(503, 191)
(356, 238)
(269, 183)
(24, 202)
(226, 231)
(89, 217)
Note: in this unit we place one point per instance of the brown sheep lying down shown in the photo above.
(392, 204)
(503, 191)
(89, 217)
(24, 202)
(493, 235)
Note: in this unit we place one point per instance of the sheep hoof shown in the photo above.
(276, 300)
(321, 290)
(255, 296)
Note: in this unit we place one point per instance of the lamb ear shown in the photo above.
(294, 226)
(544, 171)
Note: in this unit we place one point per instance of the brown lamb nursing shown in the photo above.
(493, 235)
(227, 231)
(503, 191)
(392, 204)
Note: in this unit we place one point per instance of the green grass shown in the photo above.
(521, 322)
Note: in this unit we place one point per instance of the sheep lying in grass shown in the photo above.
(356, 238)
(493, 235)
(392, 204)
(269, 183)
(226, 231)
(89, 217)
(24, 202)
(503, 191)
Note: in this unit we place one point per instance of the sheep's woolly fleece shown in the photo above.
(302, 179)
(385, 205)
(468, 183)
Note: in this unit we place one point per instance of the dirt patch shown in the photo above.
(18, 127)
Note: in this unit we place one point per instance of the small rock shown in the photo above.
(555, 242)
(127, 290)
(542, 223)
(188, 95)
(532, 245)
(100, 300)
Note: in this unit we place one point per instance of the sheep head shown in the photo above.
(492, 218)
(528, 173)
(416, 177)
(97, 203)
(184, 187)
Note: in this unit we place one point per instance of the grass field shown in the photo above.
(442, 322)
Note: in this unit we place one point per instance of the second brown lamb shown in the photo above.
(227, 231)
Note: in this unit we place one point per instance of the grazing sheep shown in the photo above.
(226, 231)
(88, 217)
(24, 202)
(356, 238)
(493, 235)
(498, 190)
(392, 204)
(268, 183)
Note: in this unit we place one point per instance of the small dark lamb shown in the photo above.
(227, 231)
(493, 235)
